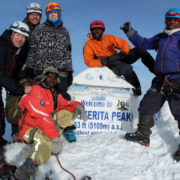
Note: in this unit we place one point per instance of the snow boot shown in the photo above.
(177, 154)
(69, 134)
(25, 171)
(138, 138)
(143, 132)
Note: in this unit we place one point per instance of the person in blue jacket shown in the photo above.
(166, 84)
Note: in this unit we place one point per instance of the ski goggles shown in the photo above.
(50, 7)
(49, 74)
(35, 9)
(20, 28)
(170, 18)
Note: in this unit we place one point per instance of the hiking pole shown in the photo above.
(63, 168)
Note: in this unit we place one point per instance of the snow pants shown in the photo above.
(126, 70)
(154, 99)
(41, 147)
(146, 58)
(40, 152)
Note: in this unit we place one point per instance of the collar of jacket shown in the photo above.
(6, 37)
(170, 32)
(89, 35)
(49, 23)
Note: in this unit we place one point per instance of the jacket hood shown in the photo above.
(170, 32)
(49, 23)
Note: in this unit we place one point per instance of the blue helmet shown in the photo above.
(173, 13)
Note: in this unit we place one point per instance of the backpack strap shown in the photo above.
(157, 39)
(23, 112)
(178, 44)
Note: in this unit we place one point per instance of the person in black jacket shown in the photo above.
(50, 46)
(11, 62)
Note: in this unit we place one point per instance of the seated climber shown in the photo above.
(44, 113)
(101, 50)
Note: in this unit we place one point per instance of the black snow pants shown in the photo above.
(146, 58)
(154, 99)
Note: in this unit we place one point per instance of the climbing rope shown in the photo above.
(63, 168)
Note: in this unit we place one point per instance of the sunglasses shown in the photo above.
(52, 7)
(49, 74)
(20, 28)
(35, 8)
(98, 23)
(172, 13)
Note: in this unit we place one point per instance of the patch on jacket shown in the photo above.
(42, 103)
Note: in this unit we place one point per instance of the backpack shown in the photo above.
(158, 38)
(12, 110)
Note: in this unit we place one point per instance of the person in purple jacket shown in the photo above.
(166, 84)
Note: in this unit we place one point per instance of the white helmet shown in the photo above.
(21, 28)
(34, 7)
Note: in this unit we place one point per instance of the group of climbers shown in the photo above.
(30, 50)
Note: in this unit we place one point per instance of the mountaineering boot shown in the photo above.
(143, 132)
(138, 137)
(69, 134)
(25, 171)
(177, 154)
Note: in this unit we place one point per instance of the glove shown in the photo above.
(113, 59)
(128, 30)
(56, 145)
(81, 112)
(69, 78)
(29, 73)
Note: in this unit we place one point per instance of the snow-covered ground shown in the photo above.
(110, 157)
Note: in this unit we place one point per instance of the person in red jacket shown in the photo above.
(101, 50)
(43, 111)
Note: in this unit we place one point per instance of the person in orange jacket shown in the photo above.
(43, 113)
(101, 50)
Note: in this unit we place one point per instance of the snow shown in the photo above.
(100, 77)
(109, 156)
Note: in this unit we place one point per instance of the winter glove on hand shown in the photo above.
(81, 112)
(128, 30)
(56, 145)
(29, 73)
(69, 78)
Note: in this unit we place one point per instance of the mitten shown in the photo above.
(128, 30)
(56, 145)
(81, 112)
